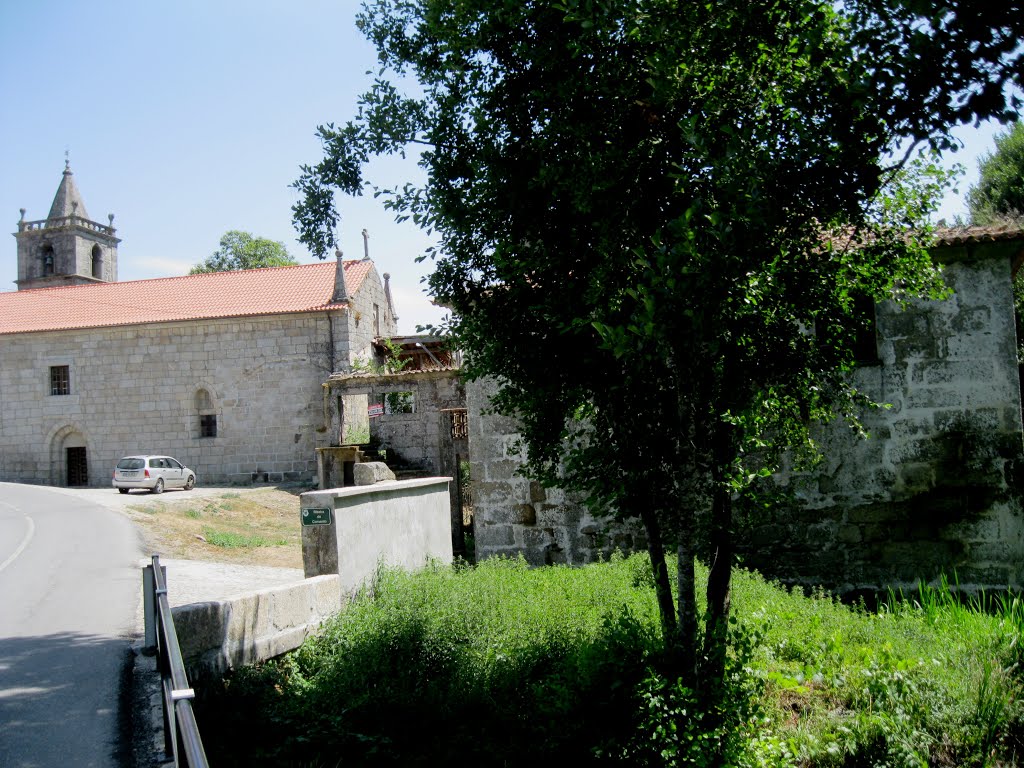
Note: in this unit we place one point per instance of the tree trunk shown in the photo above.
(719, 580)
(662, 586)
(687, 605)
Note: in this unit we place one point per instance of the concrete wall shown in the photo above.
(400, 523)
(220, 635)
(403, 524)
(134, 390)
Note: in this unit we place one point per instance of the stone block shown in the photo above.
(916, 478)
(489, 536)
(537, 492)
(523, 514)
(491, 493)
(535, 538)
(501, 469)
(371, 472)
(849, 534)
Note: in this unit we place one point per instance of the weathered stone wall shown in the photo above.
(935, 489)
(412, 441)
(514, 515)
(362, 328)
(134, 390)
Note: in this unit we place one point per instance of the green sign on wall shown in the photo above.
(315, 516)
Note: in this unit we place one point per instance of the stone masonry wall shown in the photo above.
(134, 390)
(935, 490)
(514, 515)
(412, 440)
(361, 329)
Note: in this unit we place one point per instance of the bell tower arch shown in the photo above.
(67, 247)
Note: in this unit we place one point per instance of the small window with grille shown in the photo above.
(207, 412)
(208, 425)
(60, 380)
(460, 424)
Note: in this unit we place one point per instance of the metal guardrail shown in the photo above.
(181, 734)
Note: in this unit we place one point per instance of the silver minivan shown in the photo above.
(154, 473)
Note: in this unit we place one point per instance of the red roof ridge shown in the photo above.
(264, 291)
(318, 265)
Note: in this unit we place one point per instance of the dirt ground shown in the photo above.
(246, 526)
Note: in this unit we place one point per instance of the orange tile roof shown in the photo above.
(988, 234)
(269, 291)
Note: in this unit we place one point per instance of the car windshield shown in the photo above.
(131, 464)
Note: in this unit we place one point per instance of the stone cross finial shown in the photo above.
(340, 289)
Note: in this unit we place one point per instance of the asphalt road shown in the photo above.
(69, 595)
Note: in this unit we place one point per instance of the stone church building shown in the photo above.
(223, 370)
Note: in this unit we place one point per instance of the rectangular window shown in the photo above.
(60, 380)
(398, 402)
(208, 426)
(865, 341)
(460, 424)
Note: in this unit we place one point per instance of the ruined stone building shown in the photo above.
(222, 370)
(407, 407)
(936, 489)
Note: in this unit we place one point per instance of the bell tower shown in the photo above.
(67, 247)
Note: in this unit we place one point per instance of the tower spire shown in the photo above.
(68, 200)
(67, 247)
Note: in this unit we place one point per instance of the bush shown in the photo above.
(503, 665)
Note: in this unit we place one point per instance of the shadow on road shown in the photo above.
(61, 701)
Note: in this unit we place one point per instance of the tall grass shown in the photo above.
(502, 665)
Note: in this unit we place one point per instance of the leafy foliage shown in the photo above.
(998, 198)
(999, 193)
(389, 362)
(241, 250)
(501, 665)
(657, 220)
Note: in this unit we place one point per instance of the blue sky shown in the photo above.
(189, 119)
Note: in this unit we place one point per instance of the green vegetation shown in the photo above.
(357, 435)
(501, 665)
(999, 194)
(242, 250)
(998, 198)
(232, 539)
(643, 209)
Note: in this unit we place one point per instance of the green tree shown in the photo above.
(999, 193)
(999, 197)
(656, 221)
(241, 250)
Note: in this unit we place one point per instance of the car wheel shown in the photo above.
(122, 490)
(159, 487)
(190, 483)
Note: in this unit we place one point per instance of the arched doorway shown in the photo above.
(69, 458)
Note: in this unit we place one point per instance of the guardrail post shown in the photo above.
(149, 611)
(182, 743)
